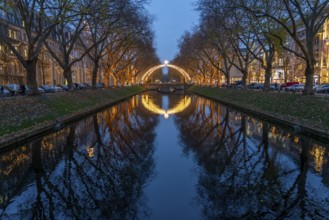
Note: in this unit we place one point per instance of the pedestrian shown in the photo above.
(22, 90)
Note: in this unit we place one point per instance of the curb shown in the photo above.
(298, 128)
(12, 140)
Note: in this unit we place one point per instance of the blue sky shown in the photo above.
(173, 18)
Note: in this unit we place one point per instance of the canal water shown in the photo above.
(174, 156)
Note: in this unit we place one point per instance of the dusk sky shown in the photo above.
(173, 18)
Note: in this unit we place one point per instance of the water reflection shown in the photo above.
(149, 104)
(91, 170)
(251, 169)
(103, 166)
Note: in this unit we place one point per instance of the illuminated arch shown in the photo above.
(181, 106)
(153, 69)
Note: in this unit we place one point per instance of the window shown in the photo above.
(317, 52)
(10, 17)
(25, 52)
(280, 62)
(15, 34)
(301, 34)
(10, 33)
(317, 41)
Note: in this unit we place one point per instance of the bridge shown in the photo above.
(167, 86)
(149, 72)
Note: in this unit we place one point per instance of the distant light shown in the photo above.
(166, 62)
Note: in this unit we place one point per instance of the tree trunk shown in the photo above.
(123, 80)
(212, 81)
(31, 76)
(115, 81)
(244, 79)
(95, 71)
(309, 73)
(107, 79)
(268, 74)
(67, 72)
(228, 83)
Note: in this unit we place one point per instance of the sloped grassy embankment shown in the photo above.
(20, 114)
(310, 112)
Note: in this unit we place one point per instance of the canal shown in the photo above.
(158, 156)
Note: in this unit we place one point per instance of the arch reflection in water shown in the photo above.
(95, 169)
(183, 104)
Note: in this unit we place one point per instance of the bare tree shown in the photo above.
(235, 26)
(125, 47)
(219, 41)
(105, 18)
(268, 45)
(116, 48)
(146, 60)
(66, 47)
(302, 20)
(192, 57)
(37, 19)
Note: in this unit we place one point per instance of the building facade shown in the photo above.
(48, 69)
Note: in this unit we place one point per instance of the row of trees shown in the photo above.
(115, 34)
(236, 34)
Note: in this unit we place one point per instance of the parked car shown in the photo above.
(257, 86)
(64, 87)
(295, 88)
(324, 88)
(78, 86)
(86, 85)
(251, 85)
(47, 89)
(274, 86)
(56, 88)
(13, 88)
(4, 91)
(285, 85)
(100, 85)
(41, 90)
(315, 86)
(238, 84)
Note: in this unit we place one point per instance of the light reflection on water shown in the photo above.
(167, 157)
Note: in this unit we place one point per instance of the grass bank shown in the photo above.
(20, 114)
(305, 111)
